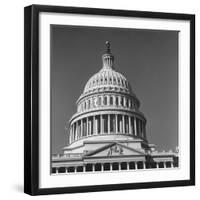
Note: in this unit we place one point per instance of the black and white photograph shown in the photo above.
(109, 100)
(114, 99)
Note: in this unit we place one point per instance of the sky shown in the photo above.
(147, 58)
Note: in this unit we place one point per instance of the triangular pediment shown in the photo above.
(114, 149)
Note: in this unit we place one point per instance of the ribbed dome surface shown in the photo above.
(107, 79)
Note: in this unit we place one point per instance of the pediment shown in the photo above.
(114, 149)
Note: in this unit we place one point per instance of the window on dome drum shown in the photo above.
(111, 100)
(121, 101)
(117, 101)
(118, 80)
(127, 103)
(131, 104)
(105, 101)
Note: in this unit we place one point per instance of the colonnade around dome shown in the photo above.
(107, 124)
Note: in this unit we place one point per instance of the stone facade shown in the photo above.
(107, 133)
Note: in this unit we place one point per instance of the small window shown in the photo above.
(111, 100)
(105, 100)
(117, 101)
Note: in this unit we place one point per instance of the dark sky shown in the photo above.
(148, 59)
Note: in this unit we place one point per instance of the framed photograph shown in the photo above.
(109, 100)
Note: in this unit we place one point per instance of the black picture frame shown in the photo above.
(31, 98)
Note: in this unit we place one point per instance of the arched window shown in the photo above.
(105, 100)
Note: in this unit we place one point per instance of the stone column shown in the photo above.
(144, 166)
(93, 167)
(87, 126)
(78, 132)
(128, 165)
(108, 100)
(75, 169)
(114, 100)
(96, 121)
(157, 165)
(94, 126)
(124, 102)
(164, 164)
(101, 124)
(123, 124)
(81, 128)
(116, 123)
(129, 125)
(108, 123)
(135, 126)
(83, 168)
(72, 132)
(76, 124)
(136, 165)
(139, 132)
(119, 98)
(57, 170)
(70, 135)
(119, 166)
(111, 167)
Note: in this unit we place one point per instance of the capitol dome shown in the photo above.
(107, 109)
(107, 78)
